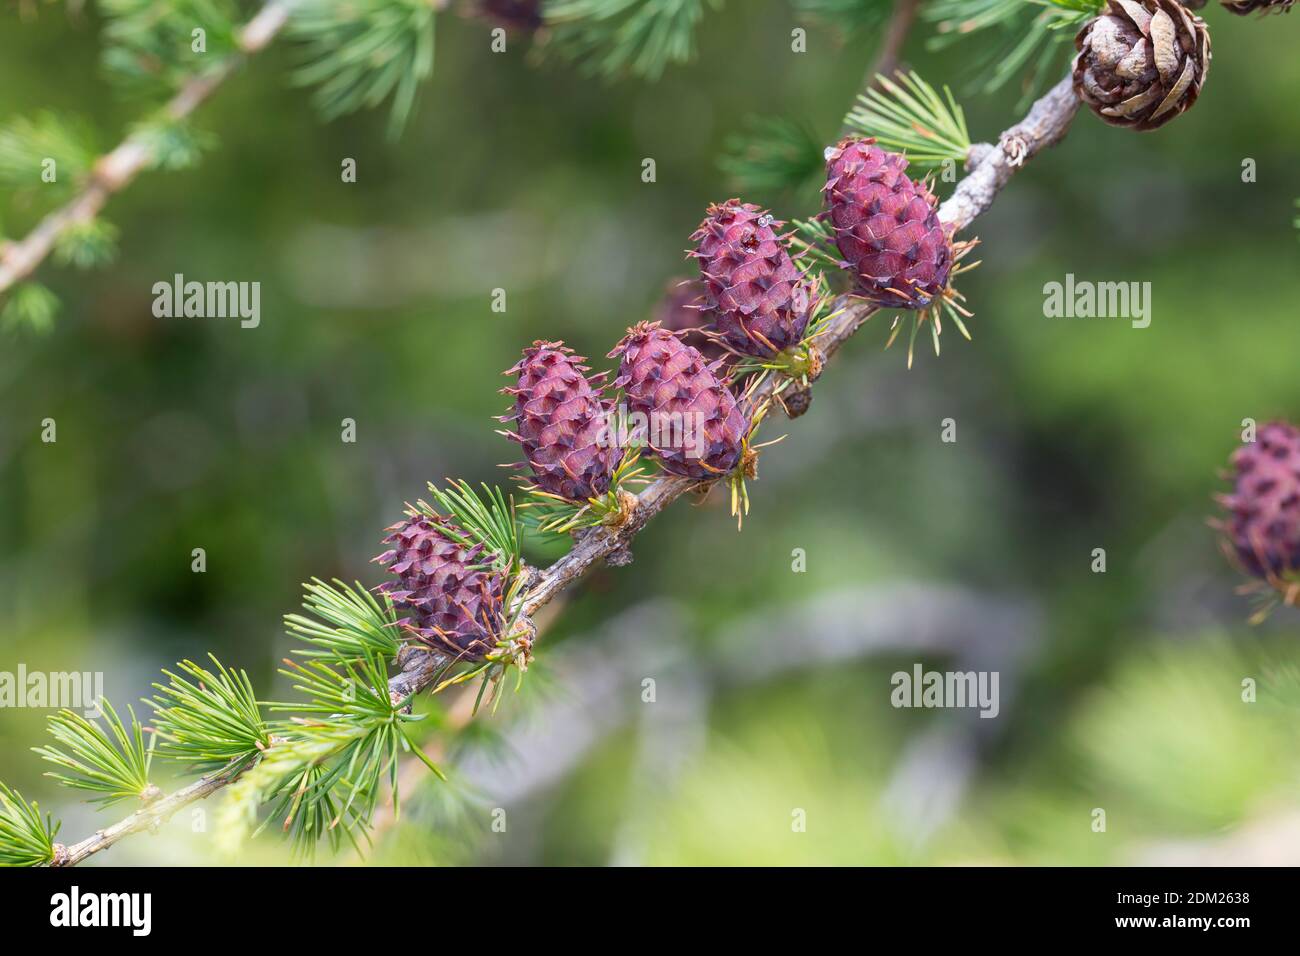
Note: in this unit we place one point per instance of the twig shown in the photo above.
(1044, 125)
(896, 31)
(147, 818)
(114, 171)
(990, 168)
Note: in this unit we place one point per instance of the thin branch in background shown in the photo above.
(891, 47)
(669, 739)
(116, 170)
(354, 53)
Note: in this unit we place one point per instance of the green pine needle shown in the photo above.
(812, 247)
(116, 767)
(30, 306)
(87, 245)
(546, 513)
(347, 623)
(210, 720)
(823, 311)
(289, 779)
(358, 53)
(909, 116)
(353, 689)
(310, 808)
(26, 144)
(488, 520)
(329, 782)
(617, 38)
(173, 144)
(957, 18)
(148, 46)
(1092, 8)
(852, 18)
(1022, 38)
(326, 774)
(773, 155)
(25, 839)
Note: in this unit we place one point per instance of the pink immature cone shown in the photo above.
(562, 423)
(758, 297)
(684, 308)
(449, 600)
(1263, 520)
(696, 428)
(886, 226)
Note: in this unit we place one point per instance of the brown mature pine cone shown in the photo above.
(1244, 7)
(1142, 62)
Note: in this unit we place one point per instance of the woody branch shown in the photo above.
(990, 167)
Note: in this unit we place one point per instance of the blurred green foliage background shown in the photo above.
(1072, 435)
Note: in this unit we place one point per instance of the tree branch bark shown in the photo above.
(989, 169)
(146, 818)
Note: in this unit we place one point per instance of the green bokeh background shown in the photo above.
(1072, 435)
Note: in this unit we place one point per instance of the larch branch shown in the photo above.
(990, 167)
(148, 817)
